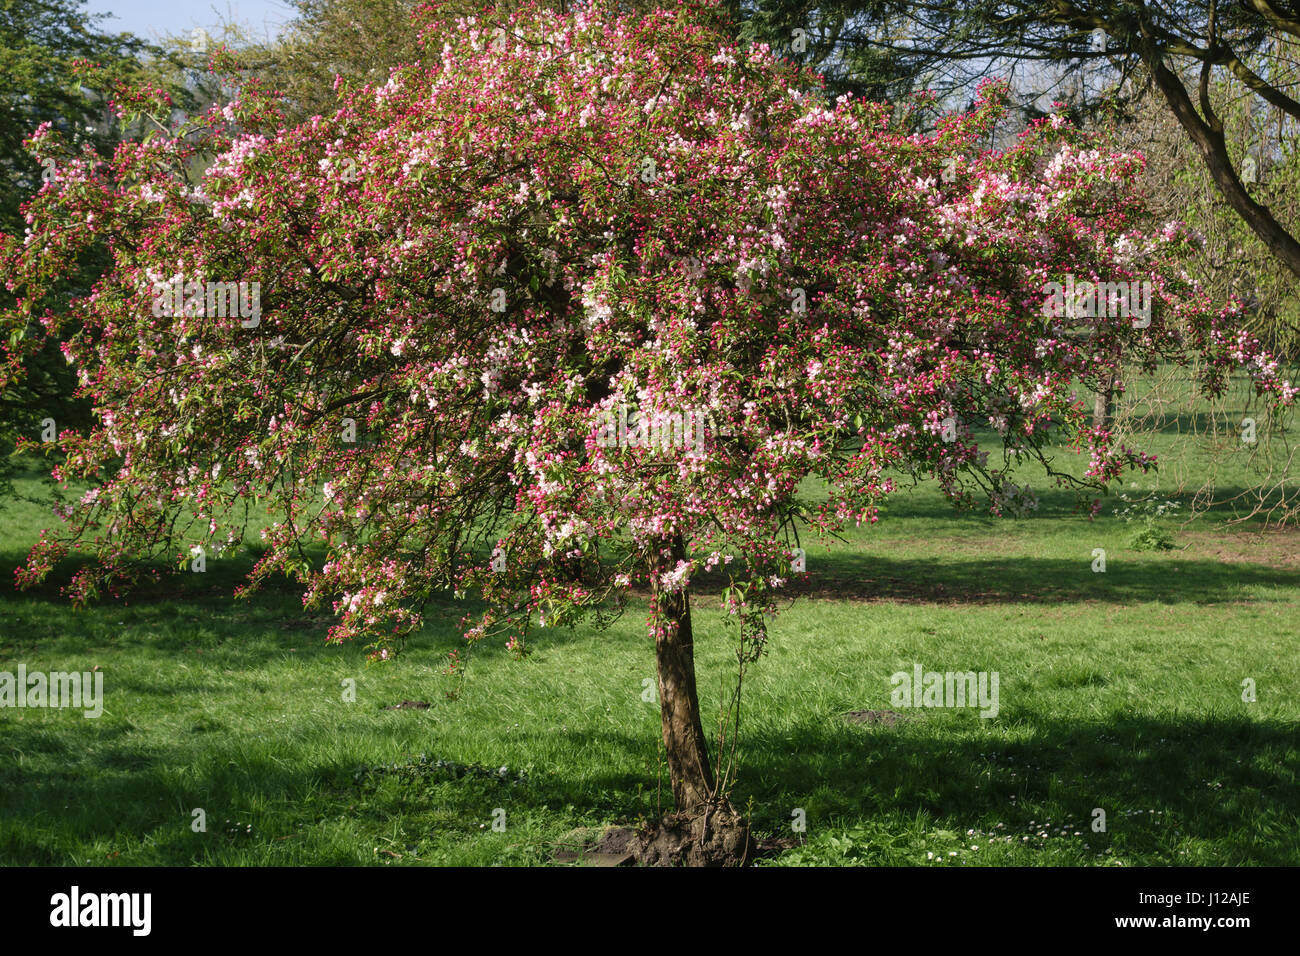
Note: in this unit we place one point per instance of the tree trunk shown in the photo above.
(1207, 135)
(704, 830)
(1102, 406)
(679, 705)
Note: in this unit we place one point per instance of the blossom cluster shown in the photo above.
(554, 215)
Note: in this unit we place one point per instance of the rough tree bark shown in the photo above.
(704, 830)
(685, 745)
(1103, 406)
(1208, 137)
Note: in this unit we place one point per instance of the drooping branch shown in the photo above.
(1213, 148)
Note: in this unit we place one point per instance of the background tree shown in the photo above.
(468, 276)
(1179, 47)
(359, 40)
(1231, 263)
(353, 41)
(40, 41)
(857, 47)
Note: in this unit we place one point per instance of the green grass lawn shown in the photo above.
(1120, 691)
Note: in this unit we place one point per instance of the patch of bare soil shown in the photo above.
(720, 838)
(1279, 548)
(717, 838)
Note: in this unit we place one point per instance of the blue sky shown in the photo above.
(154, 18)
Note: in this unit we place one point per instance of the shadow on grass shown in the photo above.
(1056, 503)
(1130, 577)
(201, 617)
(1229, 781)
(1209, 777)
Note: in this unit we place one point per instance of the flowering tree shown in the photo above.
(572, 307)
